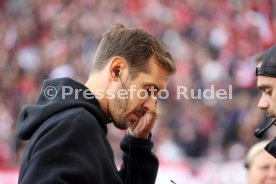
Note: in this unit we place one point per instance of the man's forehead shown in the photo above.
(159, 84)
(157, 76)
(264, 81)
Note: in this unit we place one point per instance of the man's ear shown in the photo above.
(117, 65)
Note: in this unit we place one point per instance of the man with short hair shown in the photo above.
(266, 82)
(66, 129)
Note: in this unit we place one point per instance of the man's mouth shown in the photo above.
(140, 113)
(136, 115)
(269, 115)
(134, 118)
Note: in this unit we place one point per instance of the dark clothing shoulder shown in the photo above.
(271, 148)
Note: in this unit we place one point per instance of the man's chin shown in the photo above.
(121, 126)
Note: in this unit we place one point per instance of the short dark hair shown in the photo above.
(135, 45)
(259, 58)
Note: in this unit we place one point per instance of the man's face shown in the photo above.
(267, 102)
(126, 112)
(262, 169)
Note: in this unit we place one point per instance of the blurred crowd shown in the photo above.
(212, 42)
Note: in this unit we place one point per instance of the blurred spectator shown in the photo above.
(261, 166)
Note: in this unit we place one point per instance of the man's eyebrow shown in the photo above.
(264, 86)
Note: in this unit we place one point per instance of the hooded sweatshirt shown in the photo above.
(271, 147)
(66, 132)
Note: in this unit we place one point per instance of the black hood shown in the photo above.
(271, 147)
(51, 101)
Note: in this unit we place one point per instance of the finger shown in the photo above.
(149, 122)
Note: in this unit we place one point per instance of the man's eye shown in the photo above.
(148, 89)
(151, 90)
(268, 92)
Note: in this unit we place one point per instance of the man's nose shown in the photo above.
(150, 105)
(263, 102)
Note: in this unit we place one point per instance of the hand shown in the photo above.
(143, 127)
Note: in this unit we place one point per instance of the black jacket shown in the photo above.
(67, 142)
(271, 148)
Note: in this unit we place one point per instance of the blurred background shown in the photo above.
(212, 42)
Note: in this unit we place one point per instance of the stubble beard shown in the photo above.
(119, 113)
